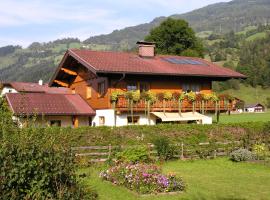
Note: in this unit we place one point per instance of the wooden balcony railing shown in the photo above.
(172, 105)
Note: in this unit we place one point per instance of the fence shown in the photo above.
(182, 151)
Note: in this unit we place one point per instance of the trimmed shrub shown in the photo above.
(165, 151)
(134, 155)
(241, 155)
(144, 179)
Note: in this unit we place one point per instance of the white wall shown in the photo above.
(109, 117)
(66, 121)
(121, 120)
(250, 110)
(8, 90)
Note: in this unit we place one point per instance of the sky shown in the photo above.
(25, 21)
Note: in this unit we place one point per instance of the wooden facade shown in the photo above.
(85, 83)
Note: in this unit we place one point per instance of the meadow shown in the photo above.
(244, 117)
(218, 179)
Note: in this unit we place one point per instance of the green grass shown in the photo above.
(244, 117)
(250, 94)
(248, 28)
(204, 34)
(257, 36)
(218, 179)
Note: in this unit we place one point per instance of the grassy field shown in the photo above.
(244, 117)
(218, 179)
(250, 94)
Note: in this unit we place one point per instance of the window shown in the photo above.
(131, 86)
(55, 122)
(73, 91)
(101, 120)
(144, 87)
(88, 92)
(135, 119)
(101, 88)
(194, 87)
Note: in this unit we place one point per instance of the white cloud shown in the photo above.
(13, 13)
(25, 21)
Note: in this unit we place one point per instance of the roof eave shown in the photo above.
(171, 74)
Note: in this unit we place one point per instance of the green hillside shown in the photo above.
(232, 34)
(250, 94)
(218, 18)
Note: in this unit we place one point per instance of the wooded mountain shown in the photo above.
(219, 18)
(38, 61)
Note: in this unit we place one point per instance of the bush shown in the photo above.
(38, 165)
(241, 155)
(144, 179)
(261, 151)
(165, 151)
(134, 154)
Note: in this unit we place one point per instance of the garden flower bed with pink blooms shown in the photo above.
(143, 179)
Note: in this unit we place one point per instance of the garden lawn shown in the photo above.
(218, 179)
(244, 117)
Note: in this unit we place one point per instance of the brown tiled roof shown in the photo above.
(48, 104)
(35, 87)
(122, 62)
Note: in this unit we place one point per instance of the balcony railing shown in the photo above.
(122, 104)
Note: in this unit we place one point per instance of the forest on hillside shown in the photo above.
(244, 49)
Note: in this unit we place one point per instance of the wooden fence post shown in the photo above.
(182, 151)
(110, 151)
(215, 153)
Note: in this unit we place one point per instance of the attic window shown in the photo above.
(88, 92)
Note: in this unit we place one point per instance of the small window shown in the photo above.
(9, 91)
(131, 86)
(101, 120)
(101, 89)
(135, 119)
(55, 123)
(88, 92)
(194, 87)
(73, 91)
(144, 87)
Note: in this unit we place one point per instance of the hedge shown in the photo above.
(137, 135)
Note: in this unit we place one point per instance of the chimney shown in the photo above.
(40, 82)
(146, 49)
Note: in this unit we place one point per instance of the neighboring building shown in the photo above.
(255, 108)
(50, 109)
(95, 75)
(238, 105)
(27, 87)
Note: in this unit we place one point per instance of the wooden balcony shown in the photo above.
(171, 106)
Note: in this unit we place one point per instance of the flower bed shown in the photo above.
(144, 179)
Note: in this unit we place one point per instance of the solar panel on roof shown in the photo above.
(183, 61)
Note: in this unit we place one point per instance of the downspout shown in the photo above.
(122, 78)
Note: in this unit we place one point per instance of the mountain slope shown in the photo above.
(38, 61)
(220, 17)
